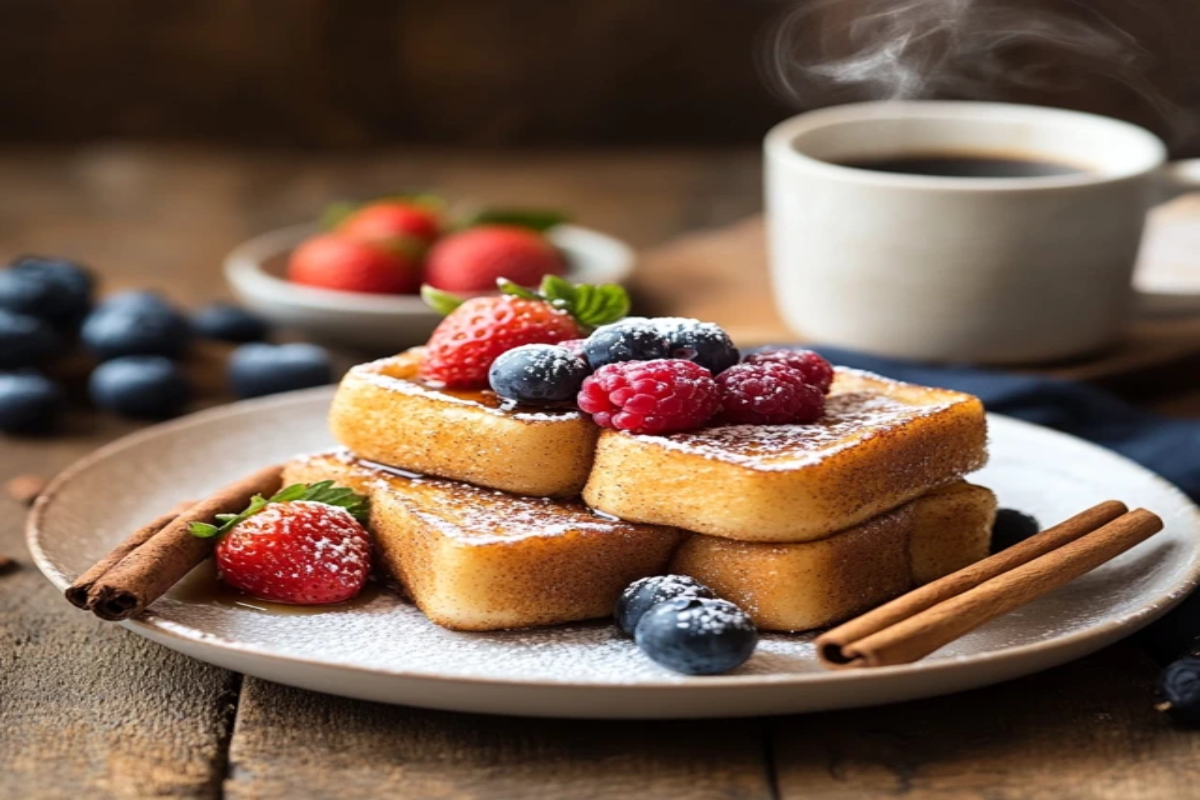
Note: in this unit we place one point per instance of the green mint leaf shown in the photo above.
(441, 302)
(321, 492)
(537, 219)
(561, 293)
(508, 287)
(599, 305)
(329, 494)
(293, 492)
(202, 530)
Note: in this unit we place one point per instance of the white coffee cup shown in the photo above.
(990, 270)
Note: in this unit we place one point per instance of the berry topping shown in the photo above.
(645, 593)
(697, 636)
(306, 545)
(474, 259)
(660, 396)
(1012, 527)
(344, 264)
(136, 324)
(537, 374)
(1179, 686)
(478, 331)
(631, 339)
(25, 341)
(29, 403)
(575, 346)
(227, 323)
(815, 369)
(151, 387)
(258, 369)
(768, 394)
(706, 343)
(52, 289)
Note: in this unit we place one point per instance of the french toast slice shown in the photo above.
(880, 444)
(805, 585)
(475, 559)
(383, 413)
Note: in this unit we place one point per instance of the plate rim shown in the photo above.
(1110, 629)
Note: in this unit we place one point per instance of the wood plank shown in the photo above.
(291, 743)
(1084, 730)
(87, 705)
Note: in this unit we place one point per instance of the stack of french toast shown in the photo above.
(491, 515)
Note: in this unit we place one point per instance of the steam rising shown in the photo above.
(827, 51)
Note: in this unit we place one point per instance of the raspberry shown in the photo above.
(815, 369)
(768, 394)
(659, 396)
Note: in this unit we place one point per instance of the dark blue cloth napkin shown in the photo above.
(1170, 447)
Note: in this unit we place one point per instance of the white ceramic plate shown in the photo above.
(388, 323)
(386, 650)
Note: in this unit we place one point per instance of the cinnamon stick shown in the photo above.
(830, 644)
(77, 592)
(913, 630)
(147, 571)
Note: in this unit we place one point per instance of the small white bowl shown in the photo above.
(385, 323)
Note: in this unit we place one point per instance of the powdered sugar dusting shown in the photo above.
(372, 373)
(478, 515)
(850, 418)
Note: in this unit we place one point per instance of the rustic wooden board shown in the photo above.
(85, 705)
(1085, 730)
(291, 743)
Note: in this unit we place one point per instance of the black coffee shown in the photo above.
(965, 166)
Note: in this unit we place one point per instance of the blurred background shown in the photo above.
(321, 74)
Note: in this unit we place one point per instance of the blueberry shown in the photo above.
(259, 369)
(25, 341)
(1011, 527)
(706, 343)
(29, 403)
(139, 298)
(150, 387)
(227, 323)
(645, 593)
(697, 636)
(136, 325)
(53, 289)
(1179, 686)
(537, 374)
(631, 339)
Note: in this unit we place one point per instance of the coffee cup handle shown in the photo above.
(1175, 178)
(1179, 177)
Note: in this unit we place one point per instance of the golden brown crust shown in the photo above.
(881, 444)
(383, 413)
(800, 586)
(476, 559)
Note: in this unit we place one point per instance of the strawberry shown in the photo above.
(478, 331)
(389, 219)
(304, 546)
(474, 259)
(330, 261)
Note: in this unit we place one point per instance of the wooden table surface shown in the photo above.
(90, 709)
